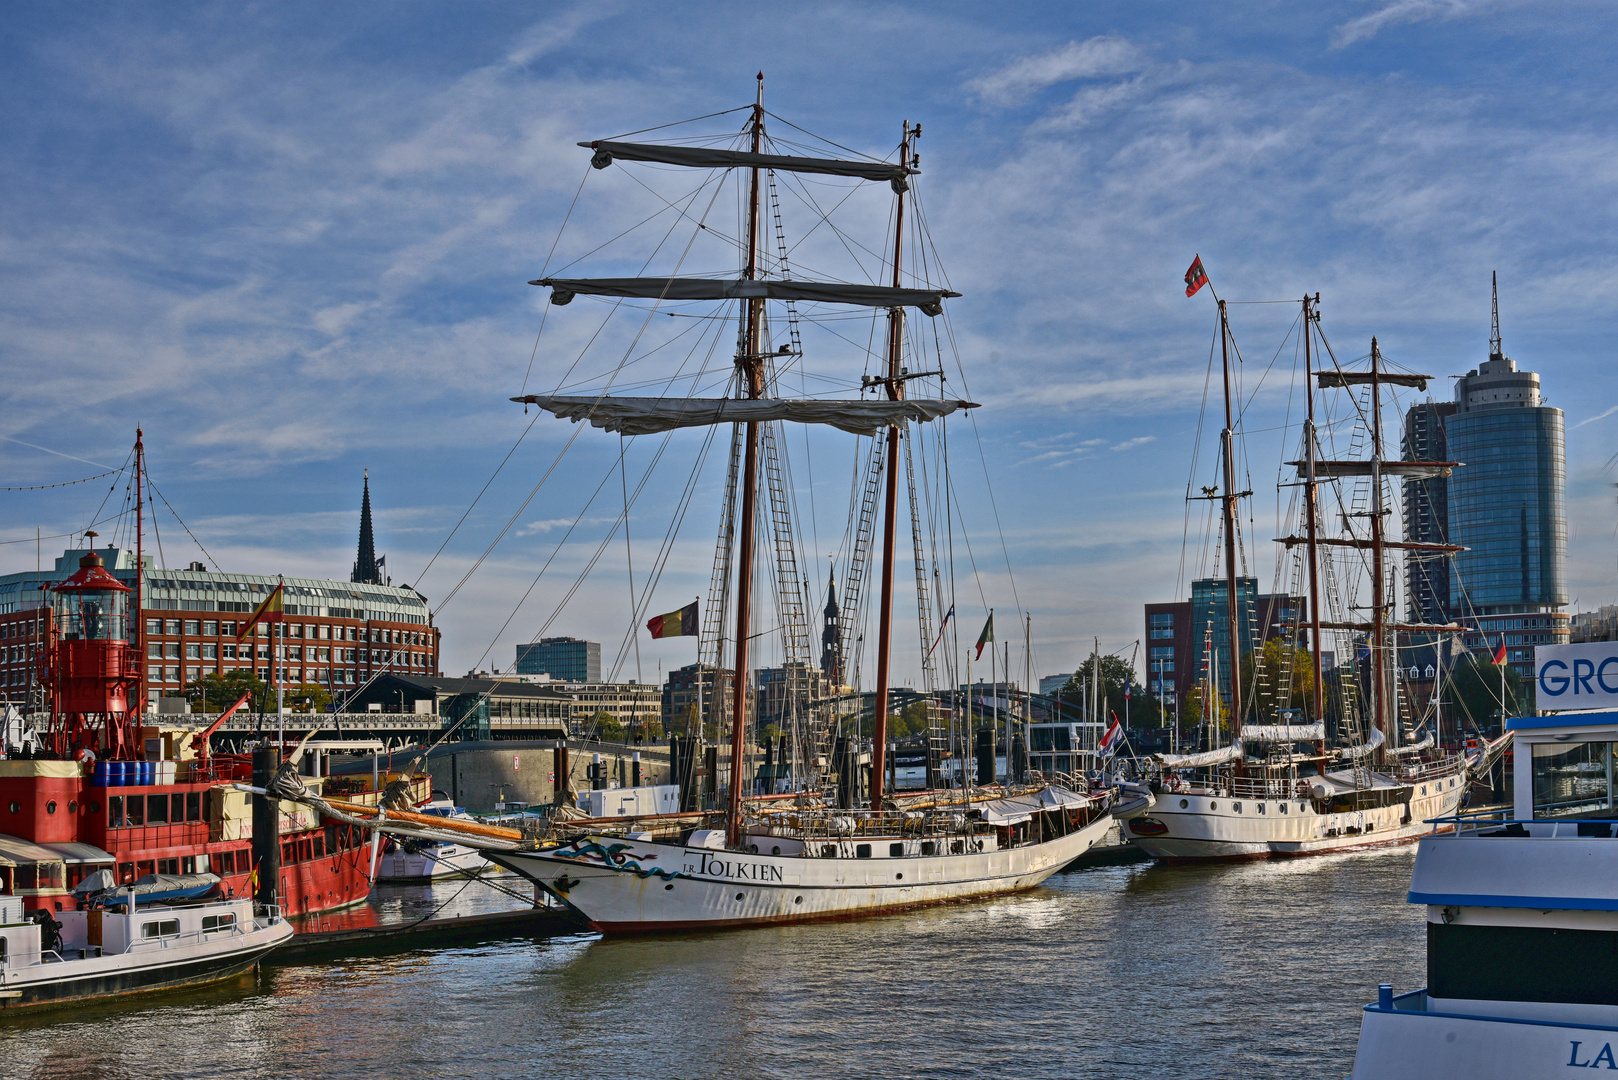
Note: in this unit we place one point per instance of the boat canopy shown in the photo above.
(76, 854)
(646, 416)
(702, 157)
(1018, 808)
(1363, 748)
(1283, 732)
(930, 301)
(15, 851)
(1197, 761)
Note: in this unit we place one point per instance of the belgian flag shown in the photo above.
(682, 623)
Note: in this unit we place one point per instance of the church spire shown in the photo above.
(831, 661)
(366, 570)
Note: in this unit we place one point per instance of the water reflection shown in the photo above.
(1243, 971)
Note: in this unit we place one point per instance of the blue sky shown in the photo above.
(292, 241)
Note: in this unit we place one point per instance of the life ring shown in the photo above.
(1173, 782)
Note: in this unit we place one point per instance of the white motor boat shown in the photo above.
(127, 948)
(416, 860)
(1522, 920)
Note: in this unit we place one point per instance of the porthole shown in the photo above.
(669, 887)
(50, 807)
(16, 808)
(72, 806)
(799, 900)
(739, 897)
(1213, 806)
(1184, 803)
(1283, 807)
(1236, 807)
(776, 850)
(753, 848)
(898, 877)
(1262, 807)
(1424, 789)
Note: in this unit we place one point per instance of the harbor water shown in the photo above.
(1242, 971)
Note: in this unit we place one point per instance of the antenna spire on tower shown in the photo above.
(1495, 349)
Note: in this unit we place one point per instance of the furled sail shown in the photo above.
(1363, 748)
(1415, 747)
(929, 301)
(646, 416)
(703, 157)
(1197, 761)
(1283, 732)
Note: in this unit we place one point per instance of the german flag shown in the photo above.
(682, 623)
(270, 610)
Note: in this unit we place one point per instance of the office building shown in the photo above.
(566, 658)
(1181, 636)
(1506, 503)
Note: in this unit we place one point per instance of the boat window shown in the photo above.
(896, 850)
(1236, 807)
(1573, 780)
(137, 810)
(157, 809)
(210, 923)
(1184, 803)
(828, 851)
(1262, 807)
(193, 806)
(162, 928)
(862, 851)
(1213, 806)
(928, 847)
(1283, 807)
(177, 806)
(115, 811)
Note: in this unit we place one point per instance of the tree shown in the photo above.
(648, 729)
(1473, 692)
(215, 693)
(1271, 663)
(1116, 673)
(308, 698)
(607, 726)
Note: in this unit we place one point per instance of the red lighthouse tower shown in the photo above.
(89, 665)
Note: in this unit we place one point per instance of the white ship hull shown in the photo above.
(1420, 1038)
(430, 863)
(1201, 826)
(636, 887)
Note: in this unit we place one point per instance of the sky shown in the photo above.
(292, 243)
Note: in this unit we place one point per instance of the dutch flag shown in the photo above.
(1113, 739)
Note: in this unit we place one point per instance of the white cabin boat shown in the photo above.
(1522, 921)
(405, 860)
(109, 951)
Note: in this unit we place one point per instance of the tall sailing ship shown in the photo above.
(806, 857)
(1282, 785)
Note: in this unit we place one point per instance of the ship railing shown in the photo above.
(1431, 770)
(1502, 822)
(847, 824)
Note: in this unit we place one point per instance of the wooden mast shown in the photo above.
(1233, 605)
(1311, 497)
(895, 387)
(1378, 619)
(751, 365)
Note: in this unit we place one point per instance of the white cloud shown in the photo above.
(1099, 56)
(1395, 12)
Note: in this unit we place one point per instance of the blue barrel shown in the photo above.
(102, 775)
(117, 773)
(145, 774)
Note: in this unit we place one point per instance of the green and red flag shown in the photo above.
(1196, 277)
(681, 623)
(985, 637)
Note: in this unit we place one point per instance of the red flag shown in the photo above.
(1196, 277)
(682, 623)
(1500, 653)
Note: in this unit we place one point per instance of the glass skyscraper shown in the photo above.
(1506, 501)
